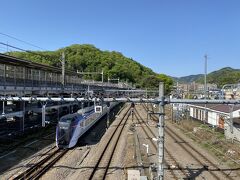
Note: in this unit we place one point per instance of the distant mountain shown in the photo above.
(188, 79)
(220, 77)
(223, 76)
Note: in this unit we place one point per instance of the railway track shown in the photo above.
(35, 168)
(178, 171)
(208, 165)
(7, 147)
(41, 167)
(101, 167)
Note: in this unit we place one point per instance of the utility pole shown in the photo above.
(205, 86)
(43, 115)
(231, 119)
(63, 70)
(161, 133)
(205, 77)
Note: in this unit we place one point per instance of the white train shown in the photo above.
(72, 126)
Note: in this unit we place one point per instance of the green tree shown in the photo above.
(89, 58)
(168, 82)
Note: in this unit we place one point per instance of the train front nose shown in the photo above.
(63, 136)
(63, 139)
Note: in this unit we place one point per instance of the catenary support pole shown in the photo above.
(3, 107)
(161, 133)
(23, 113)
(108, 111)
(63, 70)
(231, 119)
(43, 114)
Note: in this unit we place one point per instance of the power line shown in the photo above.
(14, 47)
(32, 52)
(22, 41)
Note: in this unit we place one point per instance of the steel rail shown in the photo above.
(171, 133)
(155, 147)
(95, 168)
(39, 169)
(174, 136)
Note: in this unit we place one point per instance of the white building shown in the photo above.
(218, 115)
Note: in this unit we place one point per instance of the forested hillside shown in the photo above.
(223, 76)
(188, 79)
(89, 58)
(220, 77)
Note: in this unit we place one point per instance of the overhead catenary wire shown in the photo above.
(27, 51)
(25, 42)
(14, 47)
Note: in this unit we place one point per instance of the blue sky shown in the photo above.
(169, 36)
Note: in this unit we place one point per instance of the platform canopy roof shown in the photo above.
(10, 60)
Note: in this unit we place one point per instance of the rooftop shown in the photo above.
(220, 107)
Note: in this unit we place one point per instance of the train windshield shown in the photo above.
(65, 123)
(66, 120)
(65, 130)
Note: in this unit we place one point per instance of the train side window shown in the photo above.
(86, 122)
(81, 124)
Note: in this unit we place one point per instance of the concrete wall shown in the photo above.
(197, 113)
(231, 133)
(191, 112)
(213, 118)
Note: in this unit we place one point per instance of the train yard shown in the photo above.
(130, 143)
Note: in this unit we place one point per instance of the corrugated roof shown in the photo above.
(220, 107)
(226, 108)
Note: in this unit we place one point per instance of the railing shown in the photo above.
(20, 76)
